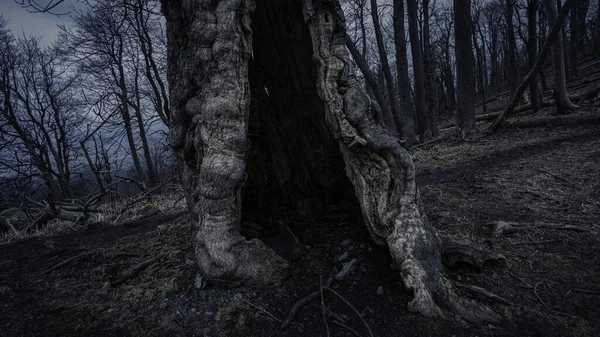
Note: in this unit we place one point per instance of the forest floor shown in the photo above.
(138, 278)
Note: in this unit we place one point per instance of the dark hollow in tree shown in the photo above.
(286, 123)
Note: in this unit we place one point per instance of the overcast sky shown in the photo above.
(38, 24)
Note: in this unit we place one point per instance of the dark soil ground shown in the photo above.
(139, 279)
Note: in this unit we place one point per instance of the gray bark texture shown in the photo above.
(210, 44)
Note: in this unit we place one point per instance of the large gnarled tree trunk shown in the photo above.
(210, 48)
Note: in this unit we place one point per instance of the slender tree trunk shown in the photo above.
(563, 102)
(574, 40)
(534, 95)
(513, 71)
(423, 120)
(465, 64)
(137, 107)
(406, 102)
(480, 70)
(432, 102)
(385, 67)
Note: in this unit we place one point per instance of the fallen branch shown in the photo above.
(527, 285)
(351, 307)
(69, 260)
(521, 108)
(506, 227)
(575, 119)
(558, 177)
(342, 325)
(136, 270)
(486, 294)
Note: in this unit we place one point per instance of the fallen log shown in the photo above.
(585, 96)
(521, 108)
(592, 119)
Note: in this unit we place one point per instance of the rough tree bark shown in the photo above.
(210, 44)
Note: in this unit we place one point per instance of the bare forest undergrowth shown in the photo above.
(530, 196)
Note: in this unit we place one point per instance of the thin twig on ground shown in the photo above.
(351, 307)
(559, 178)
(538, 296)
(529, 286)
(532, 242)
(485, 293)
(323, 305)
(302, 302)
(342, 325)
(261, 309)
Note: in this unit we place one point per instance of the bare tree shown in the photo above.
(39, 115)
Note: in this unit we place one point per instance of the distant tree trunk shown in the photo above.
(534, 95)
(137, 108)
(563, 102)
(432, 102)
(465, 64)
(448, 74)
(423, 120)
(574, 28)
(385, 67)
(484, 72)
(480, 70)
(495, 68)
(513, 71)
(406, 102)
(210, 101)
(596, 32)
(374, 85)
